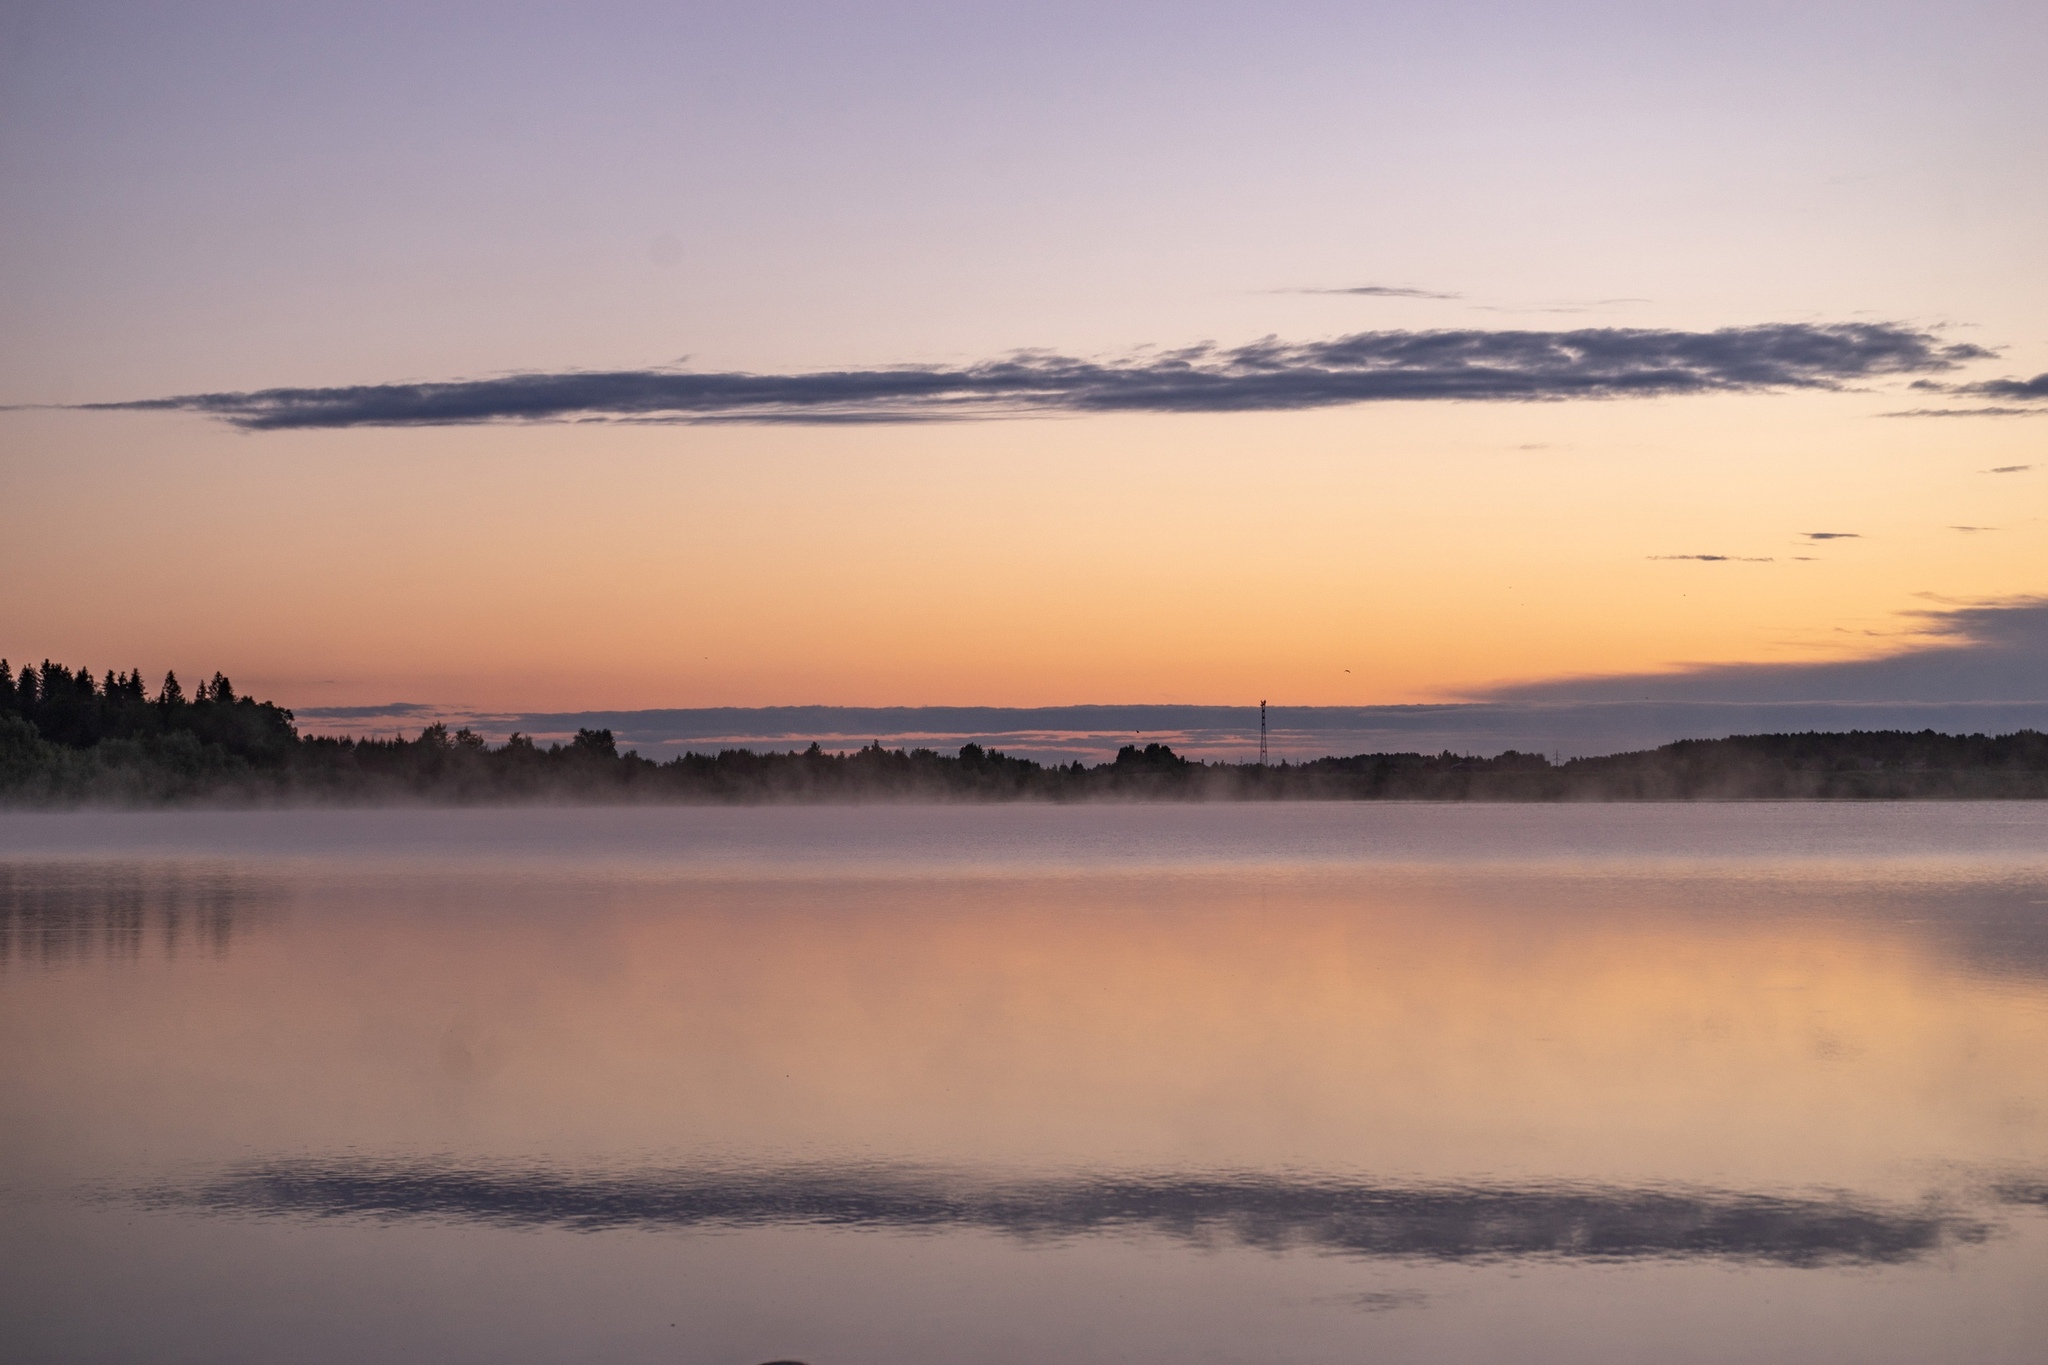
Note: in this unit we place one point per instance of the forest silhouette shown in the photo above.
(69, 739)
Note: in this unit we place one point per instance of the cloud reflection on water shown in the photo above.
(1442, 1222)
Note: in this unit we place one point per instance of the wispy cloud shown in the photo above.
(1264, 376)
(2007, 391)
(1968, 412)
(1720, 559)
(1973, 528)
(1395, 291)
(2009, 469)
(1832, 535)
(1380, 291)
(391, 710)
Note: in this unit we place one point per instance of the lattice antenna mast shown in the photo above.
(1262, 732)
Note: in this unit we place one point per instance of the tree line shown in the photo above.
(69, 738)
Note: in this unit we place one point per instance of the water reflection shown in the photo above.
(823, 1085)
(52, 915)
(1443, 1222)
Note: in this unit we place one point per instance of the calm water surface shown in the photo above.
(1294, 1083)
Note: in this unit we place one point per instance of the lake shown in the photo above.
(859, 1085)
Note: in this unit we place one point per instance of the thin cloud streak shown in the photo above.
(1382, 291)
(1968, 412)
(2005, 391)
(1265, 376)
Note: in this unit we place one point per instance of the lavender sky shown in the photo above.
(567, 358)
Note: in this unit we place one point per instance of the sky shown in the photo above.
(535, 359)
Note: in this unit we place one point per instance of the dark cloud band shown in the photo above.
(1265, 376)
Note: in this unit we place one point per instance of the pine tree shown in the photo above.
(172, 694)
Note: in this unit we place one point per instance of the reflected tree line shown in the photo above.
(52, 916)
(67, 737)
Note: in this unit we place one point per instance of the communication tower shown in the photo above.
(1262, 732)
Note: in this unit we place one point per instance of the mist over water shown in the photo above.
(1136, 1083)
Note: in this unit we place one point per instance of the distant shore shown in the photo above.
(68, 739)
